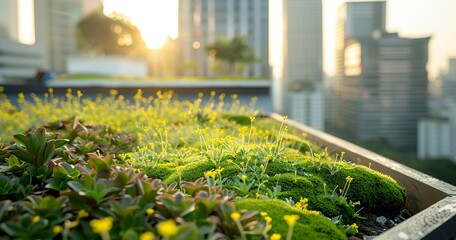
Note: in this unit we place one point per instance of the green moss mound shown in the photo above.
(377, 192)
(160, 171)
(307, 226)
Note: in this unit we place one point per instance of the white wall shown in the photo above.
(109, 66)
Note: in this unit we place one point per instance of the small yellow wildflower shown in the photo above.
(252, 119)
(150, 211)
(235, 216)
(264, 214)
(146, 236)
(268, 219)
(35, 219)
(57, 229)
(275, 236)
(102, 225)
(349, 179)
(50, 90)
(82, 214)
(219, 170)
(210, 174)
(355, 227)
(311, 212)
(167, 228)
(302, 204)
(291, 219)
(244, 178)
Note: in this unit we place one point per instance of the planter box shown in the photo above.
(433, 202)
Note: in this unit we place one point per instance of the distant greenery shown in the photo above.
(115, 35)
(231, 51)
(443, 169)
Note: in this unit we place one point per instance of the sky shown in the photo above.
(411, 18)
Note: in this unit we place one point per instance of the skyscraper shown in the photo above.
(381, 78)
(20, 58)
(296, 58)
(56, 28)
(202, 22)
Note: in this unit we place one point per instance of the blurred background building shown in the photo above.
(202, 22)
(41, 41)
(437, 133)
(296, 52)
(20, 56)
(381, 81)
(56, 28)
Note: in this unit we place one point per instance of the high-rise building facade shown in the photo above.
(381, 78)
(20, 56)
(437, 133)
(56, 28)
(295, 31)
(202, 22)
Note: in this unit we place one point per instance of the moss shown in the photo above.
(307, 227)
(297, 187)
(195, 170)
(238, 118)
(160, 171)
(377, 193)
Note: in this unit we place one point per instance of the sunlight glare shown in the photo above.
(26, 22)
(156, 19)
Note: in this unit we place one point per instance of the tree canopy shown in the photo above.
(100, 34)
(232, 51)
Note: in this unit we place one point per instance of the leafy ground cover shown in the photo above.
(155, 167)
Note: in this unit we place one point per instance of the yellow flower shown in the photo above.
(349, 179)
(291, 219)
(35, 219)
(146, 236)
(210, 174)
(268, 219)
(252, 119)
(150, 211)
(356, 203)
(311, 212)
(57, 229)
(102, 225)
(355, 227)
(82, 214)
(167, 228)
(264, 214)
(275, 236)
(244, 178)
(235, 216)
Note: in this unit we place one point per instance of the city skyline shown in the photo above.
(427, 18)
(407, 23)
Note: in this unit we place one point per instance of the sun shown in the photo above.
(156, 19)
